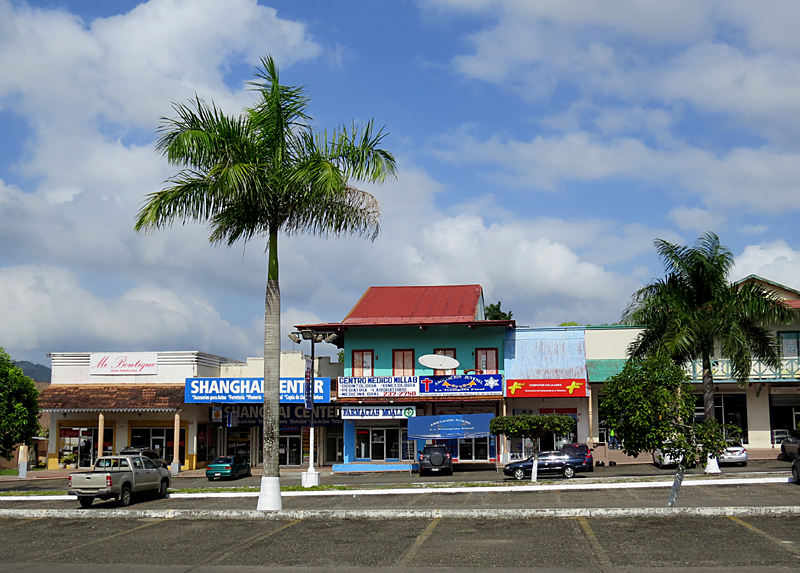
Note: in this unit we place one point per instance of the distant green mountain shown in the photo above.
(38, 372)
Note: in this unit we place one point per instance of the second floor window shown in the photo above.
(486, 360)
(789, 347)
(451, 352)
(402, 363)
(362, 362)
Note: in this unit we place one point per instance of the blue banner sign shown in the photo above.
(251, 390)
(461, 385)
(449, 427)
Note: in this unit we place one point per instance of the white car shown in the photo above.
(735, 453)
(662, 459)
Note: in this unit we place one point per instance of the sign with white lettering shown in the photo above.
(462, 385)
(291, 415)
(251, 390)
(378, 386)
(121, 364)
(378, 412)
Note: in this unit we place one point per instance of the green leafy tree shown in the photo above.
(570, 323)
(493, 312)
(650, 406)
(694, 312)
(19, 407)
(532, 427)
(260, 174)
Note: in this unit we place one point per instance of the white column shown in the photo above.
(101, 427)
(175, 468)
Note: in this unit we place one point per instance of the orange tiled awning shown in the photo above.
(114, 398)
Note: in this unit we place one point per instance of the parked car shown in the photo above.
(735, 453)
(551, 461)
(435, 458)
(790, 445)
(119, 477)
(147, 452)
(662, 459)
(580, 450)
(228, 467)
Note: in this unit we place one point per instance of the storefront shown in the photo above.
(566, 397)
(235, 419)
(376, 411)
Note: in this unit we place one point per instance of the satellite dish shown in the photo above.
(438, 362)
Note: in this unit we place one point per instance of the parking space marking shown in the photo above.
(95, 541)
(419, 497)
(782, 544)
(412, 551)
(245, 543)
(599, 553)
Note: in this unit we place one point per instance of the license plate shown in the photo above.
(217, 474)
(434, 469)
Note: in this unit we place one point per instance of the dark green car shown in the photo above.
(228, 467)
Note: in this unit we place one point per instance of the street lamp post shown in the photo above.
(311, 477)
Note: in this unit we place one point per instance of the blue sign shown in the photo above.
(449, 427)
(251, 390)
(462, 385)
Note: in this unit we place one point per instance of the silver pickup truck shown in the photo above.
(119, 477)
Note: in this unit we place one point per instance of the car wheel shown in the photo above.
(568, 471)
(125, 496)
(795, 475)
(519, 474)
(249, 472)
(210, 478)
(743, 464)
(86, 501)
(162, 490)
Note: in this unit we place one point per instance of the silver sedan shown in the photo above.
(735, 453)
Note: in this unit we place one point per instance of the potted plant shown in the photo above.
(71, 460)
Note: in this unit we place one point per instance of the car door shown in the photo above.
(545, 461)
(152, 475)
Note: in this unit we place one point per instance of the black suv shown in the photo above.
(435, 459)
(146, 452)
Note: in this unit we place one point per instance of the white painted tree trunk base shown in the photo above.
(269, 498)
(712, 467)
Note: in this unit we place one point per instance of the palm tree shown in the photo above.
(260, 174)
(695, 313)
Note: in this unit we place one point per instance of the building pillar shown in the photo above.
(590, 438)
(175, 468)
(101, 427)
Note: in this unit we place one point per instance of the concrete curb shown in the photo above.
(384, 514)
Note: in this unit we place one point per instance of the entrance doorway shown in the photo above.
(334, 449)
(289, 450)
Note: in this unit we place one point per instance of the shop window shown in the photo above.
(451, 352)
(79, 445)
(160, 440)
(486, 360)
(363, 362)
(473, 449)
(402, 362)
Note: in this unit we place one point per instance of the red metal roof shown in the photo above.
(416, 305)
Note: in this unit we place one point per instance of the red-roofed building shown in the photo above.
(384, 336)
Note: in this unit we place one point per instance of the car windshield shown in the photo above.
(432, 449)
(223, 461)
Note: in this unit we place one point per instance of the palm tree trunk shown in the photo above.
(269, 498)
(708, 388)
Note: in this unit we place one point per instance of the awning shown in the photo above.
(449, 427)
(111, 398)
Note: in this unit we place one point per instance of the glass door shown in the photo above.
(289, 450)
(392, 443)
(378, 449)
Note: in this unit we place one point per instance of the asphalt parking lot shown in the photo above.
(627, 527)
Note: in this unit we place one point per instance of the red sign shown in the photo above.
(570, 388)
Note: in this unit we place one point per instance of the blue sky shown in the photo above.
(542, 146)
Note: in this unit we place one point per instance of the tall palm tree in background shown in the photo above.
(260, 174)
(695, 313)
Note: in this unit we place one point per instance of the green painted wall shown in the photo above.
(383, 340)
